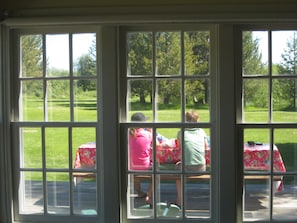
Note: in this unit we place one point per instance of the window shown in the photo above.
(57, 113)
(168, 73)
(268, 124)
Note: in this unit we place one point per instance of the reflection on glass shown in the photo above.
(31, 150)
(256, 200)
(85, 100)
(284, 203)
(58, 201)
(139, 98)
(31, 101)
(284, 93)
(31, 56)
(255, 100)
(169, 100)
(168, 53)
(84, 54)
(286, 142)
(197, 197)
(255, 53)
(168, 151)
(197, 96)
(284, 52)
(140, 53)
(57, 55)
(197, 52)
(56, 152)
(58, 100)
(31, 193)
(137, 204)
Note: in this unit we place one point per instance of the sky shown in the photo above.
(279, 43)
(57, 48)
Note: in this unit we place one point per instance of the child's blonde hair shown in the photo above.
(192, 116)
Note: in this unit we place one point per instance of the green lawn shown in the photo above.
(56, 139)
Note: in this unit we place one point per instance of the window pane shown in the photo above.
(139, 53)
(168, 53)
(84, 55)
(256, 150)
(169, 100)
(58, 100)
(284, 203)
(57, 55)
(255, 53)
(197, 196)
(284, 52)
(255, 100)
(197, 92)
(58, 193)
(31, 148)
(256, 200)
(139, 95)
(31, 56)
(197, 52)
(85, 100)
(284, 92)
(31, 101)
(286, 141)
(168, 150)
(31, 193)
(56, 142)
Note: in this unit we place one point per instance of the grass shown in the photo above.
(56, 138)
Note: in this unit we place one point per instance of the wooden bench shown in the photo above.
(207, 177)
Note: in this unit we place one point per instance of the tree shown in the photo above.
(287, 88)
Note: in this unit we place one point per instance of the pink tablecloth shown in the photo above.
(256, 157)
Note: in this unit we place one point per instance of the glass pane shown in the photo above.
(31, 101)
(57, 55)
(194, 143)
(31, 56)
(58, 100)
(255, 53)
(197, 196)
(256, 150)
(284, 50)
(85, 100)
(286, 142)
(167, 191)
(256, 199)
(284, 92)
(85, 195)
(84, 54)
(168, 152)
(168, 53)
(139, 147)
(197, 52)
(197, 94)
(137, 203)
(140, 53)
(284, 203)
(139, 98)
(169, 100)
(255, 100)
(31, 148)
(58, 201)
(57, 147)
(31, 193)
